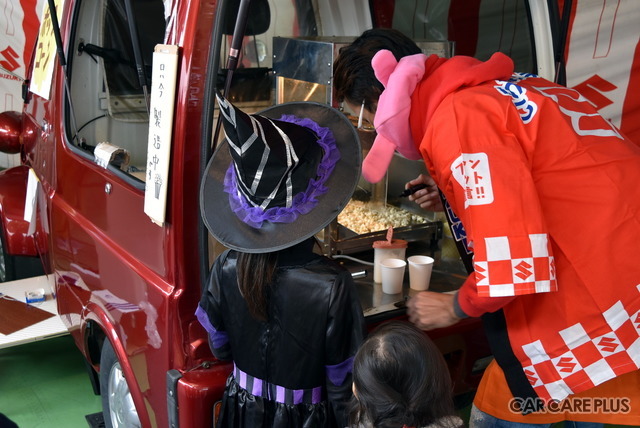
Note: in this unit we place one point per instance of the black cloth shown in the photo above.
(5, 422)
(315, 320)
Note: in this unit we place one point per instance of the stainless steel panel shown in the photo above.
(303, 68)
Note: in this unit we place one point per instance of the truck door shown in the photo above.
(90, 152)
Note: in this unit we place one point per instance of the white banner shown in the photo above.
(602, 61)
(163, 90)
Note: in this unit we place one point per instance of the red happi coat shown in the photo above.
(549, 194)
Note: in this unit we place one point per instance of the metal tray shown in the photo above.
(341, 240)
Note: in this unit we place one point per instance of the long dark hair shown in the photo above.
(255, 273)
(353, 76)
(400, 378)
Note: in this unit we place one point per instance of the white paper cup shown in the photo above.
(380, 254)
(392, 272)
(420, 268)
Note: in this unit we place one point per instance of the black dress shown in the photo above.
(293, 370)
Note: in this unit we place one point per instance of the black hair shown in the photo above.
(353, 78)
(256, 271)
(401, 378)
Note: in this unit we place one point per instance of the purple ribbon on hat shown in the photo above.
(303, 202)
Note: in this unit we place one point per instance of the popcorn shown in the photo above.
(364, 217)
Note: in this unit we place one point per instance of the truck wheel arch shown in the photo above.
(97, 332)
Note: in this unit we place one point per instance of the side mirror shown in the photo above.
(10, 129)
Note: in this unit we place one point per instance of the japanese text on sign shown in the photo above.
(45, 54)
(471, 171)
(164, 75)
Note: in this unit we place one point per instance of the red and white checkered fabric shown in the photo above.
(511, 266)
(585, 361)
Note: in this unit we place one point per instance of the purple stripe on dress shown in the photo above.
(338, 373)
(316, 395)
(243, 379)
(257, 387)
(280, 394)
(258, 390)
(218, 338)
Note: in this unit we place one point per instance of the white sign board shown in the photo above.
(31, 200)
(45, 55)
(163, 77)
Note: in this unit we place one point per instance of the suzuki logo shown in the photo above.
(567, 365)
(608, 344)
(531, 376)
(9, 62)
(592, 90)
(524, 270)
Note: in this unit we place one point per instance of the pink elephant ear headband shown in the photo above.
(391, 122)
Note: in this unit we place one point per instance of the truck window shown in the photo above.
(478, 28)
(253, 80)
(108, 104)
(253, 86)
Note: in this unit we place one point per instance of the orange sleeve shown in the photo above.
(483, 166)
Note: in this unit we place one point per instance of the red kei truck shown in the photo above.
(118, 123)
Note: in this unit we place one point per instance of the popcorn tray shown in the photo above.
(338, 239)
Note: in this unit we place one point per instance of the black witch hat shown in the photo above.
(280, 176)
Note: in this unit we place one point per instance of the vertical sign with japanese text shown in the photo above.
(163, 77)
(45, 55)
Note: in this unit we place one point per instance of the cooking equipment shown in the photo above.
(303, 69)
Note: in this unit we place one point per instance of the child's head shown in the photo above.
(400, 378)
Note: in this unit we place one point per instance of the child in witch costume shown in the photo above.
(289, 319)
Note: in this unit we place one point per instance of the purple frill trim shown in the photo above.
(303, 202)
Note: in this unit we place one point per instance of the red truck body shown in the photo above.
(127, 287)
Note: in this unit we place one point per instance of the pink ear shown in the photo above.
(376, 163)
(383, 64)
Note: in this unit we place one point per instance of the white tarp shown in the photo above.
(603, 59)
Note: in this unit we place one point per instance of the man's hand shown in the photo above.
(429, 310)
(429, 197)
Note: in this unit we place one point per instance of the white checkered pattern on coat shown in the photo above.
(583, 361)
(511, 266)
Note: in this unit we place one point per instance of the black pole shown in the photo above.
(234, 54)
(561, 72)
(63, 63)
(56, 33)
(137, 52)
(236, 41)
